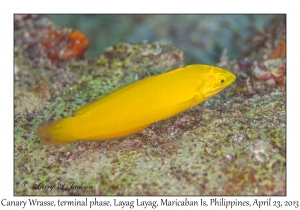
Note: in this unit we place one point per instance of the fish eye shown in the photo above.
(222, 81)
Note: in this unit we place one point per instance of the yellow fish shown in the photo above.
(136, 106)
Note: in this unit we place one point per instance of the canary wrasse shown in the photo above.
(135, 106)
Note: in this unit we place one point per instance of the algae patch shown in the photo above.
(232, 144)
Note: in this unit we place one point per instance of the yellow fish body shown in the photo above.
(136, 106)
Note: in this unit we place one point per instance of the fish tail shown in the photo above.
(57, 132)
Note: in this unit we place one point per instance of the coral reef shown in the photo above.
(232, 144)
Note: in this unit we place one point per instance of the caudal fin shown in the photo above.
(57, 132)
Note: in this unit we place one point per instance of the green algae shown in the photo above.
(232, 144)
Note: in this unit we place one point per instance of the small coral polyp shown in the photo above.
(61, 45)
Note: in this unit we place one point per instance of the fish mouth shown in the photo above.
(231, 78)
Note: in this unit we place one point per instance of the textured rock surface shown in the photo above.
(232, 144)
